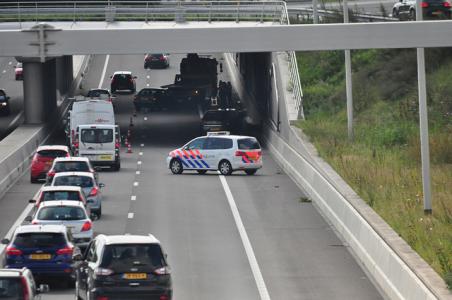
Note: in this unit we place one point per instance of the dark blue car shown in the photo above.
(44, 249)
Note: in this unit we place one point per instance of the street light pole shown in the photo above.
(348, 81)
(423, 121)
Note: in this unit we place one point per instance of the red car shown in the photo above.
(43, 160)
(18, 71)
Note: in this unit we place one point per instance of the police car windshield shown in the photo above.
(248, 144)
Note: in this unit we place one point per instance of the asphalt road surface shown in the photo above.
(205, 221)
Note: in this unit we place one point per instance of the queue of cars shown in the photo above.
(406, 9)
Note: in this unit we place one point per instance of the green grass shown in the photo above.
(383, 163)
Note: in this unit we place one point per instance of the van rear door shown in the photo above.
(97, 143)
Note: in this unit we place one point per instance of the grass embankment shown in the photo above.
(383, 163)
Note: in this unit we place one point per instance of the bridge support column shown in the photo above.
(39, 90)
(64, 75)
(69, 71)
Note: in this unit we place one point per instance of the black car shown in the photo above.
(123, 267)
(406, 9)
(4, 103)
(123, 81)
(149, 98)
(159, 60)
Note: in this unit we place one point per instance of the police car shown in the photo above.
(217, 151)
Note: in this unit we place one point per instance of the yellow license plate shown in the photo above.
(135, 275)
(105, 157)
(40, 256)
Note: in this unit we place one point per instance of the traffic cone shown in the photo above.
(131, 122)
(127, 142)
(129, 148)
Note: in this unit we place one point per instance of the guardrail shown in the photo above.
(110, 11)
(360, 17)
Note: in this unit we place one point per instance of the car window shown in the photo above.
(97, 136)
(91, 254)
(64, 213)
(218, 143)
(97, 93)
(71, 166)
(133, 254)
(39, 239)
(52, 153)
(248, 144)
(123, 77)
(60, 195)
(81, 181)
(10, 288)
(196, 144)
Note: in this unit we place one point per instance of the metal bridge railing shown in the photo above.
(179, 11)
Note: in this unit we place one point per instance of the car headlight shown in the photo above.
(4, 104)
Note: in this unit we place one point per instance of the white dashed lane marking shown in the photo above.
(141, 153)
(133, 198)
(130, 215)
(145, 118)
(142, 145)
(138, 172)
(139, 162)
(135, 183)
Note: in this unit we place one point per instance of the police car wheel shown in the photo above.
(176, 166)
(225, 167)
(202, 172)
(250, 171)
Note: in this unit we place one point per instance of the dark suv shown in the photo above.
(123, 81)
(123, 267)
(19, 284)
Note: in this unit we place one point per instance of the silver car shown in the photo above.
(89, 185)
(71, 214)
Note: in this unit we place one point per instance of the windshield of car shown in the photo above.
(52, 153)
(123, 77)
(63, 213)
(97, 136)
(11, 288)
(71, 166)
(248, 144)
(81, 181)
(118, 256)
(39, 239)
(60, 195)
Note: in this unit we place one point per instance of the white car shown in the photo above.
(217, 151)
(71, 214)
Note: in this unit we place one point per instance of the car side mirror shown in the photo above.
(28, 219)
(5, 241)
(135, 77)
(101, 185)
(43, 288)
(32, 201)
(77, 254)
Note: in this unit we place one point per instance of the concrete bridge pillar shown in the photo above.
(64, 75)
(39, 90)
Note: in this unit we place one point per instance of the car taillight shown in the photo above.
(102, 298)
(11, 251)
(102, 272)
(87, 226)
(76, 145)
(65, 251)
(424, 4)
(34, 222)
(162, 58)
(446, 4)
(93, 192)
(162, 271)
(25, 294)
(51, 173)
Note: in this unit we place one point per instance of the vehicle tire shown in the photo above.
(117, 166)
(201, 172)
(33, 180)
(225, 167)
(250, 171)
(77, 291)
(394, 13)
(176, 166)
(412, 15)
(99, 213)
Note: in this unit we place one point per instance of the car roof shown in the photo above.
(53, 147)
(12, 272)
(235, 137)
(41, 228)
(153, 88)
(129, 239)
(62, 203)
(95, 90)
(72, 158)
(61, 174)
(122, 72)
(52, 188)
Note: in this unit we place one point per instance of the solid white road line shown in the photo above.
(104, 70)
(19, 115)
(133, 198)
(130, 215)
(261, 287)
(18, 222)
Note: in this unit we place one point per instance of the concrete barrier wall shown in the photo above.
(17, 148)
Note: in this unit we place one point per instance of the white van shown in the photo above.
(99, 112)
(99, 143)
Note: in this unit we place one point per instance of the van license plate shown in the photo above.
(105, 157)
(135, 276)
